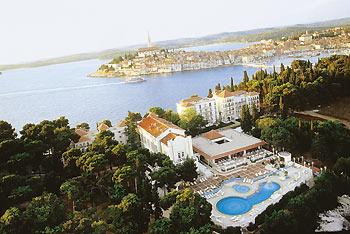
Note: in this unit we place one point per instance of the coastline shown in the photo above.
(99, 74)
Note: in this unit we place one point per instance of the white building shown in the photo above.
(148, 51)
(161, 136)
(203, 106)
(226, 149)
(306, 38)
(229, 104)
(85, 140)
(119, 132)
(88, 137)
(224, 106)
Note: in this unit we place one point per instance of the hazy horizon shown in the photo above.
(42, 29)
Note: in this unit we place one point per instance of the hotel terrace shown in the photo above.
(228, 149)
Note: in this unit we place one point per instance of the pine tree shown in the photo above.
(281, 105)
(282, 68)
(245, 77)
(255, 113)
(232, 85)
(246, 119)
(210, 93)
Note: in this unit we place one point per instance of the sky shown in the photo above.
(38, 29)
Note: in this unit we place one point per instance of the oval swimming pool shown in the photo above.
(240, 205)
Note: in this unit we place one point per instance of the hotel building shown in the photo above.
(203, 106)
(224, 106)
(161, 136)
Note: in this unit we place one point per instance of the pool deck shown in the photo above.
(297, 175)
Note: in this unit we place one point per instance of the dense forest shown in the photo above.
(47, 186)
(298, 86)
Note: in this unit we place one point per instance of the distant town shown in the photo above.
(155, 60)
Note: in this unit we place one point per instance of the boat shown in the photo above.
(134, 80)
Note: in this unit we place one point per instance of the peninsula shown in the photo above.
(156, 60)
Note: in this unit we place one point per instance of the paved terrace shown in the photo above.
(250, 171)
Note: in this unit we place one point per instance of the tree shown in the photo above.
(107, 122)
(280, 222)
(70, 157)
(246, 119)
(45, 210)
(11, 220)
(119, 154)
(232, 85)
(190, 211)
(210, 93)
(123, 175)
(187, 171)
(342, 166)
(71, 189)
(192, 122)
(255, 113)
(133, 139)
(6, 131)
(158, 111)
(92, 162)
(245, 77)
(160, 226)
(84, 126)
(331, 142)
(165, 177)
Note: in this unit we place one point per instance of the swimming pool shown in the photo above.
(241, 188)
(241, 205)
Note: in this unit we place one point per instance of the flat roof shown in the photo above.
(237, 142)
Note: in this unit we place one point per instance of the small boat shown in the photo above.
(134, 80)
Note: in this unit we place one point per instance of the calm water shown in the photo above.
(31, 95)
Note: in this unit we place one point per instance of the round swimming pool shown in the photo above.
(233, 205)
(241, 188)
(240, 205)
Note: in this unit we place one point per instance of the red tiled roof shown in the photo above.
(80, 132)
(122, 123)
(212, 135)
(170, 136)
(102, 127)
(155, 125)
(225, 93)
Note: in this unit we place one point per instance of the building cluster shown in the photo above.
(87, 137)
(210, 148)
(161, 136)
(155, 60)
(225, 106)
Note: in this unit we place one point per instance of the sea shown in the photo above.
(31, 95)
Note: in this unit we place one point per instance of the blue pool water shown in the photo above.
(241, 188)
(240, 205)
